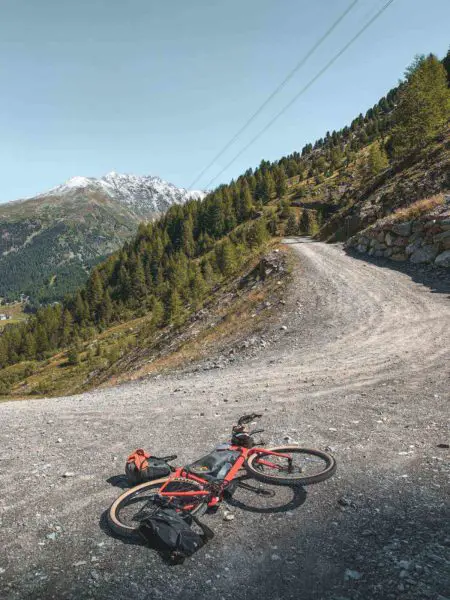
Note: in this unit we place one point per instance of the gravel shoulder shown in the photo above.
(362, 368)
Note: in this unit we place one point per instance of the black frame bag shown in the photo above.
(170, 532)
(142, 466)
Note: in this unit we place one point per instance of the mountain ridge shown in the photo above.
(49, 242)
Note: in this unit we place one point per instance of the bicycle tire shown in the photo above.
(113, 514)
(301, 480)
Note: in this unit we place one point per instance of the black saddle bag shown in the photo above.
(171, 533)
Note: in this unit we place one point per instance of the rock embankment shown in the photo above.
(423, 240)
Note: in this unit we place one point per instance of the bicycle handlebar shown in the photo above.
(248, 418)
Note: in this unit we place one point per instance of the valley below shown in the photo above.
(358, 364)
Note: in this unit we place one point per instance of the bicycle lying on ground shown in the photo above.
(203, 484)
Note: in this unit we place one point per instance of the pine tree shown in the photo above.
(446, 63)
(187, 237)
(208, 272)
(280, 181)
(73, 358)
(138, 282)
(198, 288)
(268, 188)
(66, 327)
(157, 313)
(124, 287)
(29, 346)
(291, 225)
(377, 160)
(3, 353)
(257, 233)
(81, 312)
(106, 309)
(215, 218)
(245, 204)
(424, 106)
(226, 257)
(94, 291)
(175, 312)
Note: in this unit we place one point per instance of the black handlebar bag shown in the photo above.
(171, 533)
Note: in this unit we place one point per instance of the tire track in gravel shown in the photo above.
(363, 367)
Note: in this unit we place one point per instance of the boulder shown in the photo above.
(445, 224)
(389, 239)
(403, 229)
(376, 245)
(440, 237)
(380, 237)
(399, 256)
(417, 226)
(425, 254)
(361, 248)
(443, 259)
(401, 241)
(415, 245)
(415, 236)
(387, 253)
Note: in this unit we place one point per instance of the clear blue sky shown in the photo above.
(151, 87)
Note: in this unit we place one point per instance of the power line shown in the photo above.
(275, 92)
(302, 91)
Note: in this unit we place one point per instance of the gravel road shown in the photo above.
(362, 368)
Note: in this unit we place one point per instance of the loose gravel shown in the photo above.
(358, 365)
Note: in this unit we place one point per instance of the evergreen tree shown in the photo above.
(215, 218)
(106, 309)
(245, 204)
(94, 291)
(280, 181)
(175, 312)
(446, 63)
(198, 288)
(226, 257)
(257, 233)
(73, 358)
(208, 272)
(424, 106)
(157, 313)
(377, 160)
(291, 225)
(66, 327)
(29, 346)
(187, 237)
(268, 187)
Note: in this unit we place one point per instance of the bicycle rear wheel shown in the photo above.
(126, 512)
(306, 466)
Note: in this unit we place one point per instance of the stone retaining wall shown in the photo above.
(422, 241)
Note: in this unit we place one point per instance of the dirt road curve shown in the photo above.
(363, 368)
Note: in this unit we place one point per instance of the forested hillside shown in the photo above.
(49, 243)
(172, 264)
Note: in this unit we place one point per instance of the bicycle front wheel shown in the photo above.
(126, 512)
(298, 466)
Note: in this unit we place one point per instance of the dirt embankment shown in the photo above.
(358, 362)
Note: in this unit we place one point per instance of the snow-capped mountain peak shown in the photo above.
(142, 194)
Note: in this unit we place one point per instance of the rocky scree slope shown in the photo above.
(48, 243)
(362, 203)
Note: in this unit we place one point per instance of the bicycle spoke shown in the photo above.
(295, 464)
